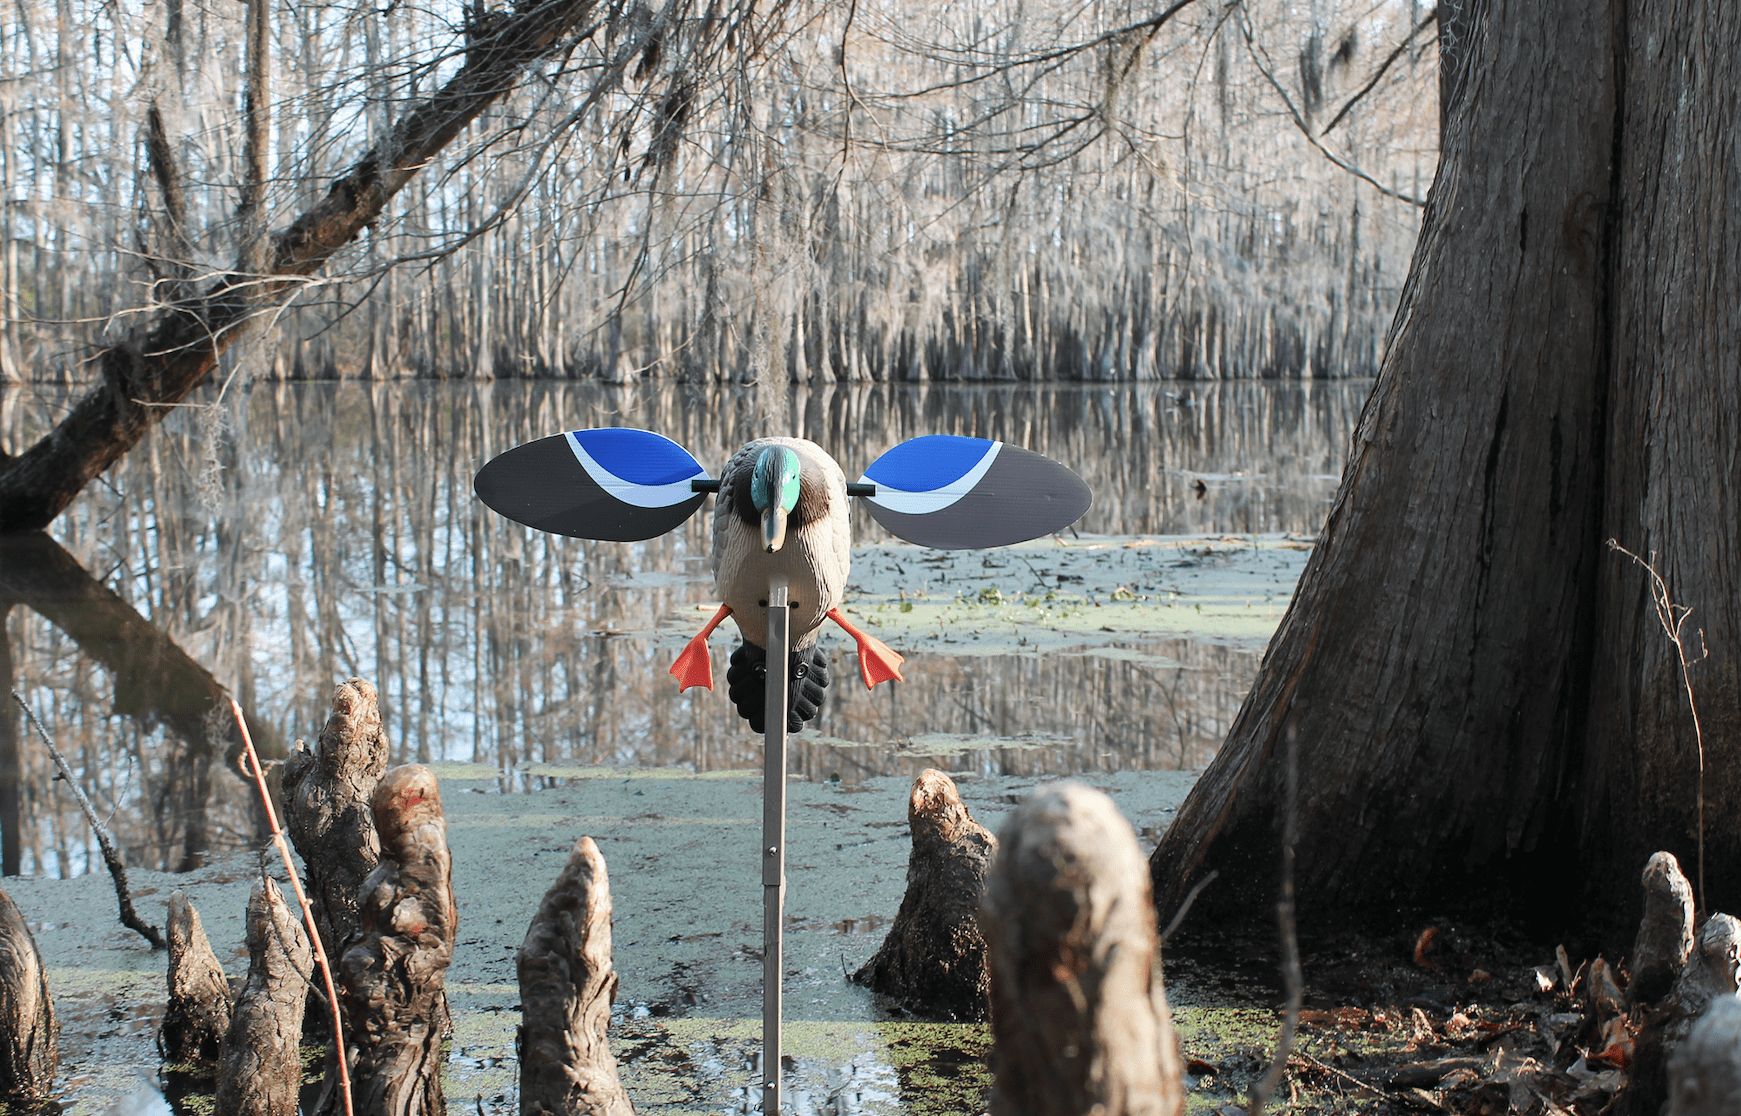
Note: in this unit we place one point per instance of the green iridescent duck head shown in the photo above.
(774, 491)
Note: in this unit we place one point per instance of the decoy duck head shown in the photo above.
(774, 492)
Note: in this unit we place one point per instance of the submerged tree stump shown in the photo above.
(395, 1008)
(933, 959)
(198, 1014)
(567, 986)
(1079, 1020)
(259, 1068)
(29, 1031)
(328, 817)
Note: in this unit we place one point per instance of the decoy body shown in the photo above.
(782, 513)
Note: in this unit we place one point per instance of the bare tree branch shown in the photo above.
(172, 354)
(1265, 68)
(1401, 49)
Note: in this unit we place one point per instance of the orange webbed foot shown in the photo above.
(877, 661)
(694, 666)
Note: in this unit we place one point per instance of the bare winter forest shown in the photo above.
(840, 191)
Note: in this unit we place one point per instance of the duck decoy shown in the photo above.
(782, 545)
(782, 511)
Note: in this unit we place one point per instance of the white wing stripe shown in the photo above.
(926, 503)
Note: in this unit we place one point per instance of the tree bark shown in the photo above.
(1079, 1019)
(567, 987)
(395, 1006)
(933, 959)
(1672, 462)
(198, 1013)
(172, 353)
(259, 1069)
(329, 816)
(29, 1031)
(1487, 714)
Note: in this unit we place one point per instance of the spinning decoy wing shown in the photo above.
(956, 493)
(614, 484)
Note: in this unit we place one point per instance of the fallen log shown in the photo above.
(933, 959)
(29, 1031)
(327, 793)
(567, 986)
(259, 1067)
(1705, 1073)
(198, 1014)
(395, 1006)
(1079, 1020)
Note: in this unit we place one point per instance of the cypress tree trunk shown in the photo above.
(1487, 712)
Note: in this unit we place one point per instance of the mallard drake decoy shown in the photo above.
(782, 511)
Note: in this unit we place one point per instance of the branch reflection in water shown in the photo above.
(288, 536)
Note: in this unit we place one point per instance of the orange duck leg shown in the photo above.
(877, 662)
(694, 667)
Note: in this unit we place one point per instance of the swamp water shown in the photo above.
(289, 536)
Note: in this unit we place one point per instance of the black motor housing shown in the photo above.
(746, 682)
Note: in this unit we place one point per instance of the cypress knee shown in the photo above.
(933, 960)
(198, 1013)
(567, 986)
(259, 1070)
(395, 1006)
(1665, 933)
(1079, 1021)
(1705, 1073)
(328, 817)
(29, 1031)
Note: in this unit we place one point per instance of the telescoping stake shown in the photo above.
(774, 838)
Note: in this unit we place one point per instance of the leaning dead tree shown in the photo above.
(395, 1006)
(173, 351)
(329, 817)
(29, 1032)
(567, 986)
(198, 1013)
(259, 1070)
(933, 960)
(1079, 1020)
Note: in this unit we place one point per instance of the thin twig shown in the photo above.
(1260, 59)
(129, 917)
(1291, 979)
(1314, 1063)
(332, 996)
(1185, 907)
(1672, 616)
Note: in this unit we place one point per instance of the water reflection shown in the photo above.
(292, 535)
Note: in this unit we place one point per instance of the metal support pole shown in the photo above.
(774, 839)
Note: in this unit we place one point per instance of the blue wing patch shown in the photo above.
(638, 457)
(931, 463)
(958, 493)
(612, 484)
(637, 467)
